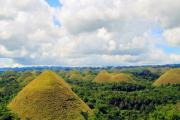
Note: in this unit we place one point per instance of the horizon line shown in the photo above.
(95, 66)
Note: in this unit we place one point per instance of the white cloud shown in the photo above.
(6, 62)
(173, 36)
(175, 57)
(165, 11)
(91, 32)
(5, 52)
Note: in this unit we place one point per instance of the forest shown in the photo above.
(109, 101)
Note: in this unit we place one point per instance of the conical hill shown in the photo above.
(49, 97)
(172, 76)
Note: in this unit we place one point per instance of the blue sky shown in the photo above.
(158, 32)
(89, 32)
(168, 49)
(54, 3)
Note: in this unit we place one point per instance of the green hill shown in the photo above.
(105, 77)
(74, 75)
(49, 97)
(26, 77)
(172, 76)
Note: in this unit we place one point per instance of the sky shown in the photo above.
(89, 32)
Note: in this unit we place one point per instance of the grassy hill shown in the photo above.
(77, 75)
(105, 77)
(49, 97)
(172, 76)
(178, 106)
(74, 75)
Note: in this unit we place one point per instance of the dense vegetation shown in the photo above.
(129, 101)
(8, 89)
(110, 101)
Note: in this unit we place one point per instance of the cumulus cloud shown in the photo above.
(7, 62)
(91, 32)
(164, 11)
(173, 36)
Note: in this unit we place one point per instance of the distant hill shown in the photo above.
(26, 77)
(49, 97)
(74, 75)
(57, 68)
(172, 76)
(77, 75)
(88, 75)
(105, 77)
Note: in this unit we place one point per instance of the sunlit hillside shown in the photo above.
(170, 77)
(49, 97)
(105, 77)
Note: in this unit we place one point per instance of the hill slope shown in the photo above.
(170, 77)
(48, 97)
(105, 77)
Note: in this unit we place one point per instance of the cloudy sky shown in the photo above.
(89, 32)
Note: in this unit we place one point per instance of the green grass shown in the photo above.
(172, 76)
(48, 97)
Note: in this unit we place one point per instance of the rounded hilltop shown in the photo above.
(172, 76)
(105, 77)
(49, 97)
